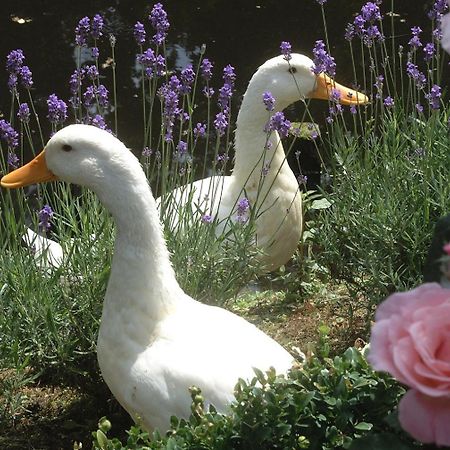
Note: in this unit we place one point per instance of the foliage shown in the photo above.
(326, 404)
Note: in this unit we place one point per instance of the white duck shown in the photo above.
(261, 172)
(154, 340)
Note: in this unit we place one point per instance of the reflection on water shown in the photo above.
(240, 33)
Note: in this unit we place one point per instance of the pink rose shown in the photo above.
(411, 340)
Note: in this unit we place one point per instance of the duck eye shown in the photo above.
(67, 147)
(292, 69)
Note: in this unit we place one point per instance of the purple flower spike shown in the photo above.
(207, 219)
(12, 160)
(371, 12)
(388, 102)
(27, 77)
(24, 112)
(45, 215)
(429, 51)
(242, 210)
(57, 110)
(286, 50)
(323, 62)
(278, 123)
(200, 130)
(158, 19)
(82, 31)
(269, 101)
(8, 134)
(206, 69)
(97, 26)
(434, 97)
(187, 79)
(139, 33)
(221, 123)
(14, 61)
(415, 42)
(321, 2)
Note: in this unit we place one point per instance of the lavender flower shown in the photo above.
(89, 96)
(168, 94)
(26, 77)
(8, 134)
(286, 50)
(429, 52)
(200, 130)
(221, 123)
(139, 33)
(229, 76)
(439, 7)
(434, 96)
(242, 210)
(278, 123)
(222, 158)
(12, 82)
(321, 2)
(335, 95)
(208, 92)
(12, 160)
(413, 72)
(207, 219)
(102, 94)
(57, 110)
(97, 26)
(147, 152)
(182, 148)
(302, 179)
(370, 12)
(158, 19)
(415, 42)
(225, 94)
(75, 81)
(323, 62)
(14, 61)
(82, 31)
(24, 112)
(99, 122)
(206, 69)
(269, 101)
(45, 215)
(388, 102)
(187, 79)
(92, 72)
(419, 108)
(349, 32)
(353, 109)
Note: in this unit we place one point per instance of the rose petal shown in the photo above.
(405, 303)
(425, 418)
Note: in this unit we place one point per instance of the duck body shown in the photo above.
(154, 340)
(261, 172)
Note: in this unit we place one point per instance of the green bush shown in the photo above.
(328, 404)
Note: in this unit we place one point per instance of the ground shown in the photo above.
(55, 415)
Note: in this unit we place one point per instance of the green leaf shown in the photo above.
(382, 441)
(364, 426)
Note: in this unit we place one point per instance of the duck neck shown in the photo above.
(256, 150)
(142, 288)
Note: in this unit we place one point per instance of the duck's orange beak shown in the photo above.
(325, 86)
(36, 171)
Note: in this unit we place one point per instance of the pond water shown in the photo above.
(241, 33)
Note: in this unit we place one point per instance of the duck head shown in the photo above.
(81, 154)
(295, 80)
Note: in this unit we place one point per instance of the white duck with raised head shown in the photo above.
(261, 172)
(154, 340)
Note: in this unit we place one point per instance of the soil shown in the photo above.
(55, 415)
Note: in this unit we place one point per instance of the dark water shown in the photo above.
(237, 32)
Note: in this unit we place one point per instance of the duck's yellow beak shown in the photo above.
(36, 171)
(325, 85)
